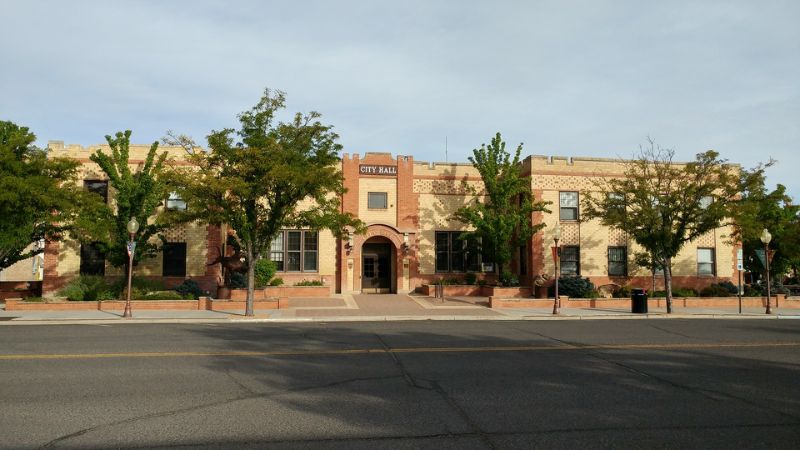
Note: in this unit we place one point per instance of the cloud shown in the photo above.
(578, 78)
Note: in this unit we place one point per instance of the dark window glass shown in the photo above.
(617, 261)
(174, 259)
(523, 261)
(377, 200)
(93, 262)
(568, 202)
(570, 260)
(454, 254)
(99, 187)
(293, 250)
(310, 251)
(442, 251)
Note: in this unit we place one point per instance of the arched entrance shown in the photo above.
(378, 271)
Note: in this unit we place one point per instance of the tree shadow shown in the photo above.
(347, 375)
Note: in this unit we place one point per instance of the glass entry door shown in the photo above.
(376, 269)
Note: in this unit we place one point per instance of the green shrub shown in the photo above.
(74, 290)
(88, 288)
(622, 292)
(238, 280)
(676, 292)
(277, 281)
(508, 279)
(575, 287)
(34, 299)
(715, 290)
(191, 289)
(732, 288)
(264, 271)
(309, 283)
(481, 282)
(470, 278)
(163, 295)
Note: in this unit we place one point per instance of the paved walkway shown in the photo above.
(383, 307)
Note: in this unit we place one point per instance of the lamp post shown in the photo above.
(133, 227)
(766, 238)
(557, 258)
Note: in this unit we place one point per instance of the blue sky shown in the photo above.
(572, 78)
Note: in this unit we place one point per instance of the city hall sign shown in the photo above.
(369, 169)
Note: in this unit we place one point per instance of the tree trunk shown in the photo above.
(251, 280)
(668, 282)
(654, 280)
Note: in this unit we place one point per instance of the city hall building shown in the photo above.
(411, 237)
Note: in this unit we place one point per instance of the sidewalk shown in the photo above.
(386, 307)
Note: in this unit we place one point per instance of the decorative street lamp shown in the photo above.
(766, 238)
(133, 227)
(557, 258)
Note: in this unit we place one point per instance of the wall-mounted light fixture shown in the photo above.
(405, 244)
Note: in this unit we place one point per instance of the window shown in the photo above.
(376, 200)
(293, 239)
(568, 202)
(617, 261)
(570, 261)
(310, 252)
(616, 201)
(276, 252)
(93, 262)
(99, 187)
(295, 251)
(454, 254)
(175, 203)
(174, 259)
(705, 261)
(523, 261)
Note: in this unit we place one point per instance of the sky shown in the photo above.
(432, 79)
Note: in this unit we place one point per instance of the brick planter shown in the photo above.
(227, 305)
(625, 303)
(505, 292)
(283, 291)
(452, 290)
(456, 290)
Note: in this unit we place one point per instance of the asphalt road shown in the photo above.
(461, 385)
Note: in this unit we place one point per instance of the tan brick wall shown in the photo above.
(26, 270)
(370, 216)
(580, 174)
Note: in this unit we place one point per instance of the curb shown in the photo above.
(466, 318)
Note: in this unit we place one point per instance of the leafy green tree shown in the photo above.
(39, 200)
(137, 193)
(500, 216)
(255, 183)
(663, 205)
(757, 208)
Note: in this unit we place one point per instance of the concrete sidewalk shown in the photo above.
(358, 308)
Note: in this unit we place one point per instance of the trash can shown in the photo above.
(638, 301)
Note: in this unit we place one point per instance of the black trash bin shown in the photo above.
(638, 301)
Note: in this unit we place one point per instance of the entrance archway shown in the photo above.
(378, 266)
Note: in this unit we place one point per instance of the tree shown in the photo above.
(255, 184)
(39, 200)
(502, 215)
(663, 205)
(757, 208)
(138, 194)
